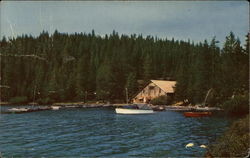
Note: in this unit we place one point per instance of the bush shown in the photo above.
(239, 105)
(116, 101)
(19, 100)
(213, 99)
(234, 143)
(162, 100)
(45, 101)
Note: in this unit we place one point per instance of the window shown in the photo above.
(151, 87)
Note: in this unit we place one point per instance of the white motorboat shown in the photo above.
(133, 111)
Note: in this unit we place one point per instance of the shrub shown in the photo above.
(115, 101)
(162, 100)
(213, 99)
(235, 141)
(19, 100)
(45, 101)
(239, 105)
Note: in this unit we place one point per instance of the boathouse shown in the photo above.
(153, 89)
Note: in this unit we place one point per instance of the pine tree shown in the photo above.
(65, 66)
(131, 84)
(148, 68)
(104, 82)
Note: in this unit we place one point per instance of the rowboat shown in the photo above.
(55, 107)
(197, 114)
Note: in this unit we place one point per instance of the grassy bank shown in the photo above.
(234, 142)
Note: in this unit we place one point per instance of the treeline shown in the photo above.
(80, 67)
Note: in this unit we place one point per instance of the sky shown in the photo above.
(181, 20)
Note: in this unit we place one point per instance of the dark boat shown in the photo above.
(197, 114)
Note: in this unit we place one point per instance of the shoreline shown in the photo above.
(108, 105)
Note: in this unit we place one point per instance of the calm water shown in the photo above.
(101, 132)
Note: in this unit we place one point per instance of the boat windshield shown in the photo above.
(131, 107)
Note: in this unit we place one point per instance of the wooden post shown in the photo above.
(86, 93)
(34, 95)
(126, 94)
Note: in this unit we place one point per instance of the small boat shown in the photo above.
(197, 114)
(134, 109)
(55, 107)
(18, 109)
(202, 108)
(199, 108)
(158, 108)
(25, 110)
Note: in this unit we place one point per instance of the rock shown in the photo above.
(189, 145)
(203, 146)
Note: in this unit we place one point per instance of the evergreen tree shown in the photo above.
(63, 67)
(148, 68)
(131, 84)
(104, 82)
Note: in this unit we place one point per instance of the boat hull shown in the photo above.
(133, 111)
(197, 114)
(55, 107)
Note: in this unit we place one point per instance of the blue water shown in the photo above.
(101, 132)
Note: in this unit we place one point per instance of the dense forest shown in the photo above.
(77, 67)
